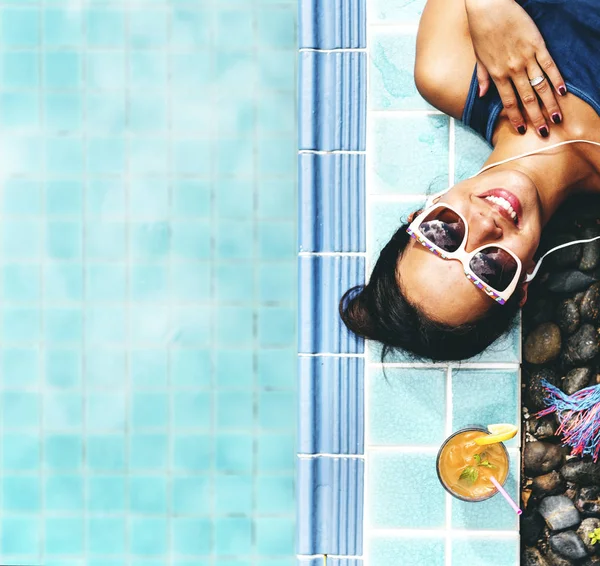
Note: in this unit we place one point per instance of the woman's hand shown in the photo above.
(510, 49)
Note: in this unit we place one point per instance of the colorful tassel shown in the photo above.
(579, 418)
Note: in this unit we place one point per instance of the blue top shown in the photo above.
(571, 30)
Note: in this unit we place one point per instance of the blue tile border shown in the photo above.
(333, 24)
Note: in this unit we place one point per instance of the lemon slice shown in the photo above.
(498, 433)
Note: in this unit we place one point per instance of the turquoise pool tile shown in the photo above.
(106, 534)
(392, 84)
(277, 368)
(62, 367)
(105, 156)
(233, 494)
(276, 453)
(106, 113)
(20, 409)
(21, 494)
(410, 154)
(147, 70)
(276, 157)
(19, 111)
(147, 112)
(236, 116)
(471, 151)
(63, 451)
(234, 198)
(190, 72)
(234, 453)
(235, 326)
(190, 281)
(20, 367)
(277, 240)
(25, 155)
(492, 513)
(234, 239)
(148, 451)
(106, 494)
(235, 67)
(233, 535)
(21, 282)
(190, 29)
(105, 368)
(472, 550)
(62, 410)
(63, 239)
(277, 199)
(105, 240)
(64, 156)
(386, 550)
(390, 11)
(192, 495)
(275, 113)
(191, 536)
(191, 198)
(104, 198)
(105, 325)
(276, 27)
(190, 368)
(472, 404)
(20, 27)
(191, 240)
(147, 326)
(149, 198)
(148, 536)
(105, 282)
(191, 410)
(398, 501)
(63, 282)
(107, 453)
(105, 28)
(63, 198)
(21, 452)
(62, 69)
(21, 197)
(147, 29)
(20, 535)
(192, 157)
(63, 325)
(149, 410)
(105, 69)
(192, 326)
(105, 411)
(277, 282)
(21, 239)
(62, 28)
(63, 535)
(149, 282)
(148, 495)
(277, 410)
(276, 326)
(235, 410)
(20, 325)
(148, 368)
(275, 72)
(274, 535)
(234, 27)
(64, 493)
(407, 408)
(150, 240)
(234, 368)
(275, 494)
(20, 69)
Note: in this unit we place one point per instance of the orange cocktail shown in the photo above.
(464, 467)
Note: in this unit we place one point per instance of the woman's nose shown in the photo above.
(483, 228)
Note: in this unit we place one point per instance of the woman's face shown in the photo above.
(438, 287)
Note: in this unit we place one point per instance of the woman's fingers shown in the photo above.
(550, 69)
(530, 101)
(511, 104)
(483, 78)
(544, 90)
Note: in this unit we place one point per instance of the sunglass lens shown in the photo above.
(444, 228)
(494, 266)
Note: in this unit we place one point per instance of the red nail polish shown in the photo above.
(562, 90)
(543, 131)
(556, 118)
(521, 129)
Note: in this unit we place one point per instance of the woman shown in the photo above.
(421, 295)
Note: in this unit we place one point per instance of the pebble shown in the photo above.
(544, 427)
(582, 472)
(557, 560)
(548, 484)
(567, 316)
(578, 297)
(584, 531)
(559, 512)
(570, 281)
(588, 501)
(576, 379)
(533, 557)
(541, 457)
(569, 545)
(535, 391)
(532, 525)
(542, 344)
(591, 561)
(591, 250)
(565, 257)
(590, 304)
(538, 311)
(582, 346)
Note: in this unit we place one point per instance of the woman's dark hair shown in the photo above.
(379, 311)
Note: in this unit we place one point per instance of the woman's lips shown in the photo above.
(507, 195)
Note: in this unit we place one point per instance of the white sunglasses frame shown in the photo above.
(463, 256)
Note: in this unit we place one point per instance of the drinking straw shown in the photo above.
(505, 495)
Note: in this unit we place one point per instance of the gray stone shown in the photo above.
(532, 525)
(588, 501)
(556, 559)
(535, 391)
(565, 257)
(544, 427)
(582, 472)
(567, 316)
(591, 561)
(541, 457)
(559, 512)
(533, 557)
(591, 250)
(582, 346)
(585, 529)
(569, 545)
(578, 297)
(569, 281)
(576, 379)
(590, 304)
(548, 484)
(542, 344)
